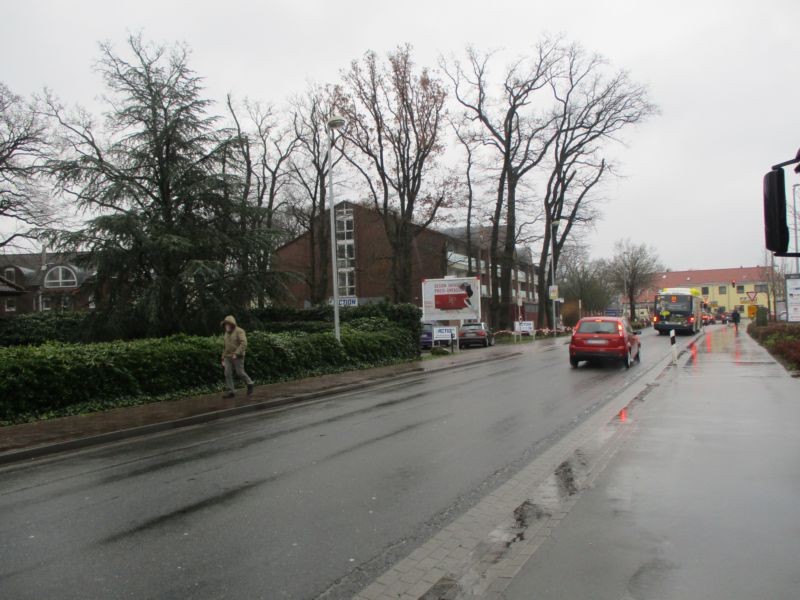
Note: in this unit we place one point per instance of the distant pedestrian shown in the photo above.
(735, 318)
(234, 346)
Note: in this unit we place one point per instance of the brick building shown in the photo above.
(365, 256)
(43, 282)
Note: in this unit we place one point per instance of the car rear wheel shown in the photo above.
(639, 354)
(626, 360)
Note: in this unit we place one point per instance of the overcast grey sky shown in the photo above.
(724, 74)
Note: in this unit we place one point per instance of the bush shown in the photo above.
(52, 377)
(74, 327)
(439, 351)
(781, 339)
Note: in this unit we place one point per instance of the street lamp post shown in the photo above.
(554, 225)
(794, 214)
(334, 123)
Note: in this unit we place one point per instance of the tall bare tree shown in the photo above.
(23, 149)
(396, 116)
(632, 270)
(309, 170)
(261, 147)
(592, 106)
(519, 133)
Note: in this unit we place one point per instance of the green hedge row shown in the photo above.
(47, 379)
(75, 327)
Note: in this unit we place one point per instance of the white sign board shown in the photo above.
(345, 301)
(523, 326)
(553, 292)
(444, 333)
(793, 298)
(456, 299)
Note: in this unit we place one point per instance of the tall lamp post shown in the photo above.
(334, 123)
(554, 226)
(794, 214)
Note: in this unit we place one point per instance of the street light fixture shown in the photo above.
(554, 225)
(334, 123)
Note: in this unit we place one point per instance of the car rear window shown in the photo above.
(598, 327)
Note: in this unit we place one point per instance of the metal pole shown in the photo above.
(334, 257)
(794, 214)
(554, 226)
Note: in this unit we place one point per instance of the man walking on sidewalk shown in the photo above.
(736, 317)
(234, 346)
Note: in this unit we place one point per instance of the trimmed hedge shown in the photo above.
(51, 378)
(75, 327)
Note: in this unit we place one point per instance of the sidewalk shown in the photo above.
(31, 440)
(699, 500)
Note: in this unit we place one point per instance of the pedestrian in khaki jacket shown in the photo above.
(234, 347)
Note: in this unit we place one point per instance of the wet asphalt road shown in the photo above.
(301, 503)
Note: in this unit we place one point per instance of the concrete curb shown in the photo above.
(34, 452)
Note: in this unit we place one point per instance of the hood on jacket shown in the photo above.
(228, 319)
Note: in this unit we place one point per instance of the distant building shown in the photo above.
(721, 289)
(42, 282)
(365, 258)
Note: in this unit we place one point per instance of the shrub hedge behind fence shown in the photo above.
(76, 327)
(54, 376)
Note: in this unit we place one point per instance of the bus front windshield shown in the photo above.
(674, 303)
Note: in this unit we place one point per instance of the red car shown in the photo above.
(604, 338)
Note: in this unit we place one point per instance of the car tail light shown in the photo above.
(619, 328)
(482, 333)
(461, 334)
(691, 319)
(655, 319)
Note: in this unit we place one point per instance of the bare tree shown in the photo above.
(519, 133)
(395, 116)
(309, 169)
(632, 270)
(22, 151)
(592, 107)
(467, 140)
(262, 147)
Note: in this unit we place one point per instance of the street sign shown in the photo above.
(752, 296)
(523, 326)
(793, 297)
(444, 334)
(553, 292)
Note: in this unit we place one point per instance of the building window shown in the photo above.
(723, 289)
(44, 303)
(66, 302)
(347, 283)
(11, 274)
(11, 305)
(346, 251)
(60, 277)
(704, 290)
(740, 289)
(761, 288)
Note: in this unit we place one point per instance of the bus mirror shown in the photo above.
(776, 230)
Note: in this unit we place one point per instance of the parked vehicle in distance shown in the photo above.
(426, 337)
(722, 317)
(605, 338)
(475, 334)
(708, 319)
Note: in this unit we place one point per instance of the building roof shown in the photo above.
(698, 277)
(9, 288)
(30, 265)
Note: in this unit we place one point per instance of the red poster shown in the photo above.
(450, 301)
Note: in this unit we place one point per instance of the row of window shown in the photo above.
(57, 277)
(45, 303)
(723, 289)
